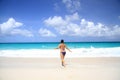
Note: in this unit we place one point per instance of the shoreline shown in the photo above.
(51, 59)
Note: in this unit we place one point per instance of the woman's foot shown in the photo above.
(63, 64)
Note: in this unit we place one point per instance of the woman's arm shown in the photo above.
(58, 47)
(67, 48)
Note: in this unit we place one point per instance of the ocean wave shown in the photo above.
(78, 52)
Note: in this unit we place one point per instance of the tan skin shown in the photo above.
(62, 48)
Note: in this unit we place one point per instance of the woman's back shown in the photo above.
(62, 47)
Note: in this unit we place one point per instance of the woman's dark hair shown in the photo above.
(62, 41)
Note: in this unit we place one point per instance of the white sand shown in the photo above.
(51, 69)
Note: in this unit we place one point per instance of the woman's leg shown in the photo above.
(62, 59)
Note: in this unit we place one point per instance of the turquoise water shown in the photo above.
(51, 45)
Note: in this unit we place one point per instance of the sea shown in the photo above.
(47, 49)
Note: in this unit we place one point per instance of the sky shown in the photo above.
(53, 20)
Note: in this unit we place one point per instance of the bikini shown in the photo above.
(63, 53)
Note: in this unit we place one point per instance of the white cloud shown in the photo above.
(72, 5)
(73, 17)
(58, 20)
(46, 33)
(22, 32)
(63, 26)
(55, 21)
(68, 26)
(99, 29)
(11, 27)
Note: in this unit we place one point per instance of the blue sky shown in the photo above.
(53, 20)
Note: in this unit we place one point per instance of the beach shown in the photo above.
(84, 68)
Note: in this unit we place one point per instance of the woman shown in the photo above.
(62, 48)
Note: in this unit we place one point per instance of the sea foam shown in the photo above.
(79, 52)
